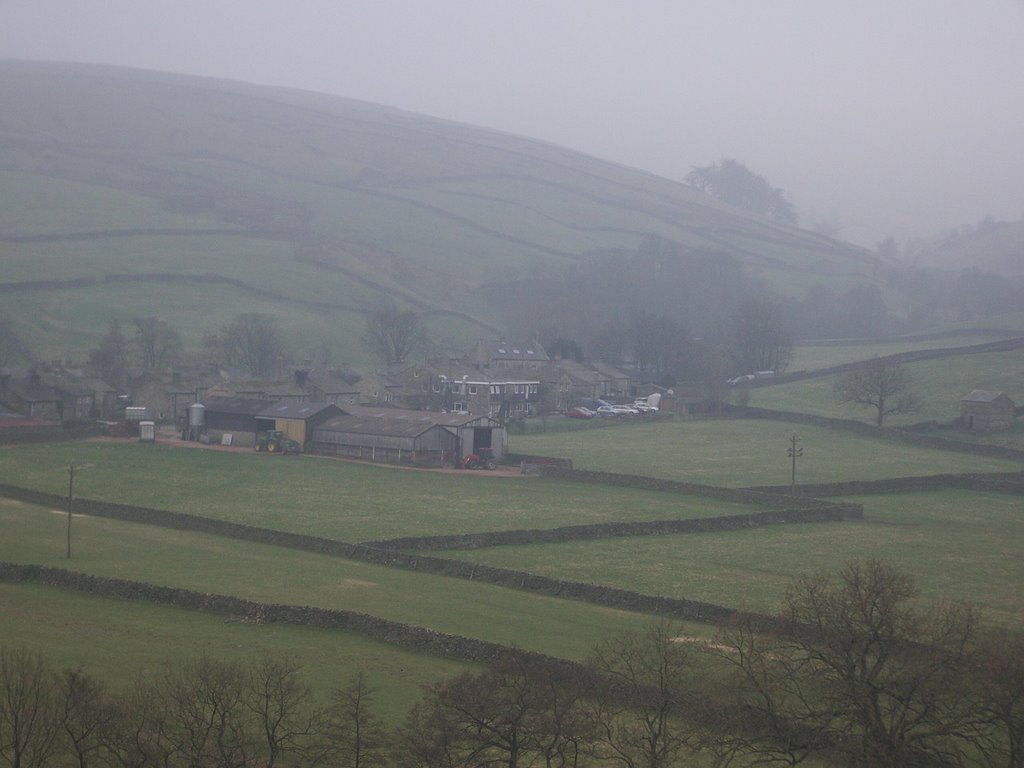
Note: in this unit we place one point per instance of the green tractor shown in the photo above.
(274, 441)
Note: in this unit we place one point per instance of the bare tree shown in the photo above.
(85, 713)
(354, 735)
(139, 733)
(999, 677)
(206, 713)
(156, 343)
(640, 700)
(758, 337)
(282, 705)
(512, 714)
(880, 383)
(28, 718)
(860, 673)
(252, 340)
(110, 358)
(392, 334)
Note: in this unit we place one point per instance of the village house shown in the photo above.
(503, 355)
(56, 394)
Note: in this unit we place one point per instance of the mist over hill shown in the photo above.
(133, 193)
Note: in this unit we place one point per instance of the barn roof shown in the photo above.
(982, 396)
(239, 406)
(378, 425)
(422, 417)
(293, 410)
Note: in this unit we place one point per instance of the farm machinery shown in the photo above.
(482, 459)
(274, 441)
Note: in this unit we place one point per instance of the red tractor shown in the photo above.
(482, 459)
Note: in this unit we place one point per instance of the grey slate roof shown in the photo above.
(982, 396)
(239, 406)
(293, 410)
(378, 425)
(430, 418)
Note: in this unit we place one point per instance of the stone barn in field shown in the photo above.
(983, 410)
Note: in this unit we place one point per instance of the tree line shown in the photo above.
(861, 674)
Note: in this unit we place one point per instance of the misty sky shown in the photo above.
(890, 116)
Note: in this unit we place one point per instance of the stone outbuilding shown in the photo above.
(984, 410)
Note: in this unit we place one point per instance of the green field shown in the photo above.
(330, 498)
(956, 544)
(271, 574)
(739, 453)
(116, 640)
(939, 383)
(811, 357)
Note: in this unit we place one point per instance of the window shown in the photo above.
(472, 389)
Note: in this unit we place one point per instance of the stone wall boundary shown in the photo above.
(678, 608)
(905, 435)
(738, 495)
(823, 513)
(998, 482)
(406, 636)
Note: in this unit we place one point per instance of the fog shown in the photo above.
(900, 118)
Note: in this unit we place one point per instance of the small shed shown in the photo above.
(296, 420)
(984, 410)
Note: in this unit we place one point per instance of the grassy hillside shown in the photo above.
(312, 204)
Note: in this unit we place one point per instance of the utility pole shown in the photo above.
(71, 496)
(793, 453)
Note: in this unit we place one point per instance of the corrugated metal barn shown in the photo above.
(232, 415)
(296, 420)
(407, 437)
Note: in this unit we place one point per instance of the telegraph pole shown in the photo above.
(71, 496)
(793, 453)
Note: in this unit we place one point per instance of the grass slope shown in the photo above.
(387, 203)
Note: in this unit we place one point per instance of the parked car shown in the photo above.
(644, 407)
(617, 410)
(579, 412)
(591, 403)
(741, 379)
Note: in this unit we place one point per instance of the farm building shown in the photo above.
(400, 436)
(235, 416)
(296, 420)
(984, 410)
